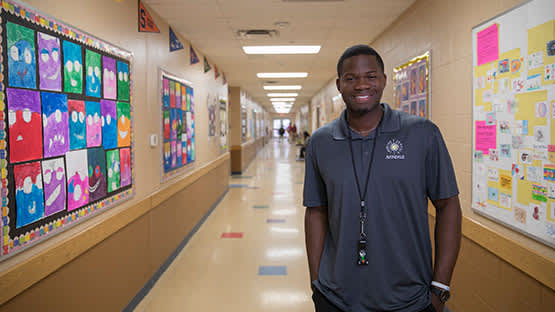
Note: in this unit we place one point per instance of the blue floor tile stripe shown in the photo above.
(238, 186)
(152, 281)
(272, 270)
(260, 206)
(275, 221)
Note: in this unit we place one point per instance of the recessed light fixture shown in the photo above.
(282, 75)
(282, 104)
(288, 49)
(295, 87)
(282, 94)
(278, 99)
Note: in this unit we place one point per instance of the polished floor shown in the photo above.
(249, 255)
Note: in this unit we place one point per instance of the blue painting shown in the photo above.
(109, 124)
(29, 196)
(73, 63)
(21, 56)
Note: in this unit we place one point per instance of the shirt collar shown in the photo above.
(390, 123)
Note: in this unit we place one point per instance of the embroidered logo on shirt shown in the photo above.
(394, 149)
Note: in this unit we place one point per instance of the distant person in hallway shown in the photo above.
(368, 177)
(305, 138)
(281, 132)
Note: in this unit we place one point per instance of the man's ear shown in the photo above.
(338, 85)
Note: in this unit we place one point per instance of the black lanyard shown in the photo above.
(362, 260)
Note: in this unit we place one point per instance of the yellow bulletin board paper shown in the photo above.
(538, 37)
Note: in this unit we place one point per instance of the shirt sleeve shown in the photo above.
(314, 194)
(441, 182)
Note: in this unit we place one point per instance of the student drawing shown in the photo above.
(77, 129)
(422, 79)
(166, 92)
(109, 124)
(25, 126)
(73, 63)
(94, 124)
(94, 75)
(55, 124)
(50, 77)
(172, 93)
(125, 162)
(28, 193)
(54, 175)
(109, 72)
(166, 124)
(173, 147)
(413, 80)
(177, 95)
(96, 158)
(173, 124)
(184, 95)
(123, 81)
(167, 157)
(78, 179)
(123, 124)
(113, 165)
(21, 56)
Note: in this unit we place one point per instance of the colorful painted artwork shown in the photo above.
(123, 124)
(109, 124)
(109, 76)
(94, 124)
(73, 63)
(77, 129)
(77, 179)
(21, 56)
(55, 124)
(123, 81)
(54, 175)
(125, 162)
(411, 86)
(24, 118)
(94, 75)
(113, 165)
(50, 66)
(166, 121)
(96, 158)
(166, 93)
(28, 193)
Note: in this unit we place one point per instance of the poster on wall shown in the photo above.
(411, 86)
(223, 124)
(211, 103)
(243, 124)
(67, 152)
(178, 124)
(513, 161)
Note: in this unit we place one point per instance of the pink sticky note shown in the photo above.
(486, 137)
(232, 235)
(487, 44)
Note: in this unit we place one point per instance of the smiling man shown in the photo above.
(369, 175)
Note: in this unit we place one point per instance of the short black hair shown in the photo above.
(359, 49)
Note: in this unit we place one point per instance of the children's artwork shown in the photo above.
(94, 123)
(123, 124)
(109, 76)
(54, 175)
(112, 158)
(24, 118)
(21, 56)
(123, 81)
(411, 87)
(55, 124)
(28, 193)
(77, 139)
(61, 122)
(96, 158)
(177, 116)
(50, 77)
(77, 179)
(109, 124)
(94, 75)
(73, 63)
(513, 118)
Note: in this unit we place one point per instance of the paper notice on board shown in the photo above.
(488, 44)
(486, 137)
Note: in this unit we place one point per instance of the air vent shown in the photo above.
(257, 33)
(271, 81)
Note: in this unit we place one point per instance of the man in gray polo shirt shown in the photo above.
(368, 178)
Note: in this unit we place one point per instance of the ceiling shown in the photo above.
(211, 27)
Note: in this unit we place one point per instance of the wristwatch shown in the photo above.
(442, 294)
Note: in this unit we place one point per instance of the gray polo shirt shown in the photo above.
(411, 164)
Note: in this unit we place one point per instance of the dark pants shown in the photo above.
(322, 304)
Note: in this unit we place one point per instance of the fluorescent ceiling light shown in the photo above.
(282, 104)
(288, 49)
(282, 111)
(295, 87)
(282, 75)
(282, 99)
(282, 94)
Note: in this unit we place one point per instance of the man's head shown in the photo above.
(361, 79)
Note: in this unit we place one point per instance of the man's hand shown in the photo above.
(437, 303)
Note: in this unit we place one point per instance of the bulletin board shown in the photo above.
(66, 146)
(412, 86)
(513, 172)
(223, 123)
(178, 124)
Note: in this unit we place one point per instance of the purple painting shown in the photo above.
(54, 178)
(55, 124)
(109, 72)
(49, 62)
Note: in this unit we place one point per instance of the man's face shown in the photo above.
(361, 83)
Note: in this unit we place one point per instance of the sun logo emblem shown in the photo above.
(394, 146)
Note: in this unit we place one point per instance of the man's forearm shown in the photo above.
(315, 226)
(447, 238)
